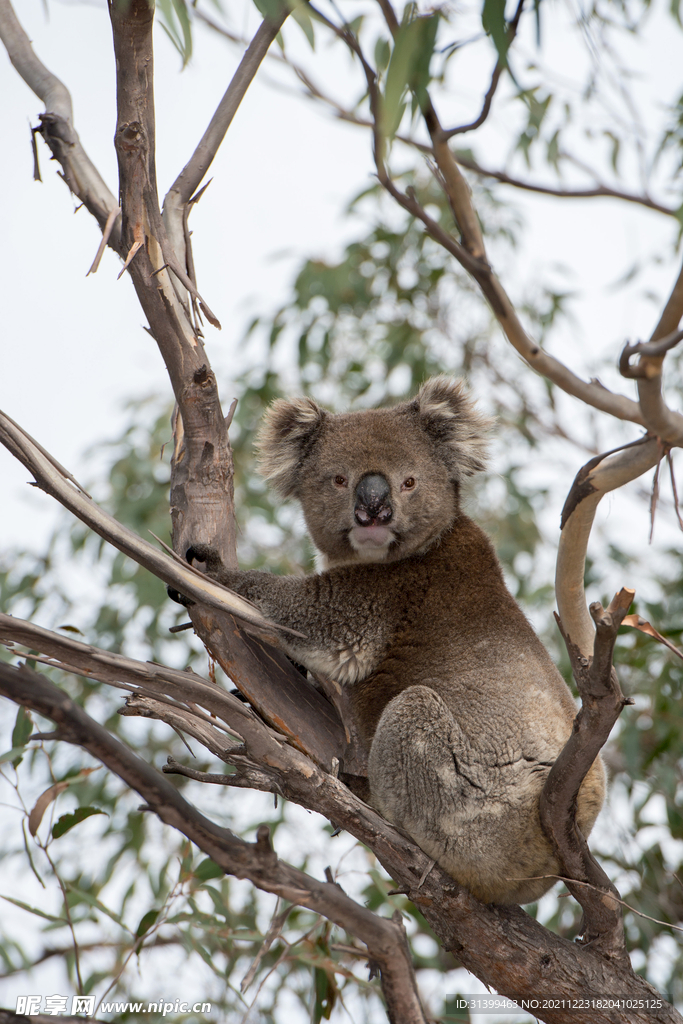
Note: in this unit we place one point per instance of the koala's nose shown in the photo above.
(372, 500)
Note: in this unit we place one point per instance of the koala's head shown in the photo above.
(379, 484)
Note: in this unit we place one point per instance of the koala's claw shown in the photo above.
(178, 597)
(204, 553)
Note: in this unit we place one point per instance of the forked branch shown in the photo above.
(385, 939)
(601, 704)
(661, 420)
(593, 393)
(191, 176)
(502, 945)
(599, 476)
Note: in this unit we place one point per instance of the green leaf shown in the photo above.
(495, 25)
(34, 910)
(208, 869)
(13, 755)
(175, 21)
(408, 66)
(325, 995)
(68, 821)
(146, 923)
(268, 8)
(305, 22)
(382, 54)
(23, 727)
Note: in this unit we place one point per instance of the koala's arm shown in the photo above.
(347, 619)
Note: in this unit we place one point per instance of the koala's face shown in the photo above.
(380, 484)
(372, 490)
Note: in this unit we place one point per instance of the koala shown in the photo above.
(455, 698)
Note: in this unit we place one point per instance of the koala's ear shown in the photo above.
(449, 416)
(286, 436)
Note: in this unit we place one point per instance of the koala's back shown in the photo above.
(464, 717)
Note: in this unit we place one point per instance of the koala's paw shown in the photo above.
(179, 598)
(205, 553)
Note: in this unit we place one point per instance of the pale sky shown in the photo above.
(74, 349)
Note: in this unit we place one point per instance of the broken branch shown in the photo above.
(187, 580)
(57, 128)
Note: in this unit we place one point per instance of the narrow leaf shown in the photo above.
(68, 821)
(96, 904)
(208, 869)
(635, 622)
(42, 804)
(46, 798)
(305, 23)
(23, 727)
(27, 850)
(401, 65)
(146, 923)
(494, 24)
(34, 910)
(14, 755)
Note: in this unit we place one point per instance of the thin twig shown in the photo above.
(670, 461)
(111, 220)
(598, 192)
(609, 895)
(501, 64)
(654, 498)
(200, 161)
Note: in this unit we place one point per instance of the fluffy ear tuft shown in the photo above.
(287, 434)
(449, 415)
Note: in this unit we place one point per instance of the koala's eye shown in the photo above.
(408, 484)
(341, 481)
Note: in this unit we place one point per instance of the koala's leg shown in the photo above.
(427, 777)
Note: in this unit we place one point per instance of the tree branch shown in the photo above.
(660, 419)
(593, 393)
(501, 65)
(305, 719)
(57, 128)
(599, 191)
(599, 476)
(175, 206)
(601, 704)
(117, 670)
(185, 578)
(503, 946)
(256, 861)
(454, 184)
(192, 174)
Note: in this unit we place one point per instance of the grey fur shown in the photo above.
(456, 698)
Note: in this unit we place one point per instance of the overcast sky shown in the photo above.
(73, 349)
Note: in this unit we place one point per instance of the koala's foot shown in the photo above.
(427, 777)
(178, 597)
(198, 553)
(207, 554)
